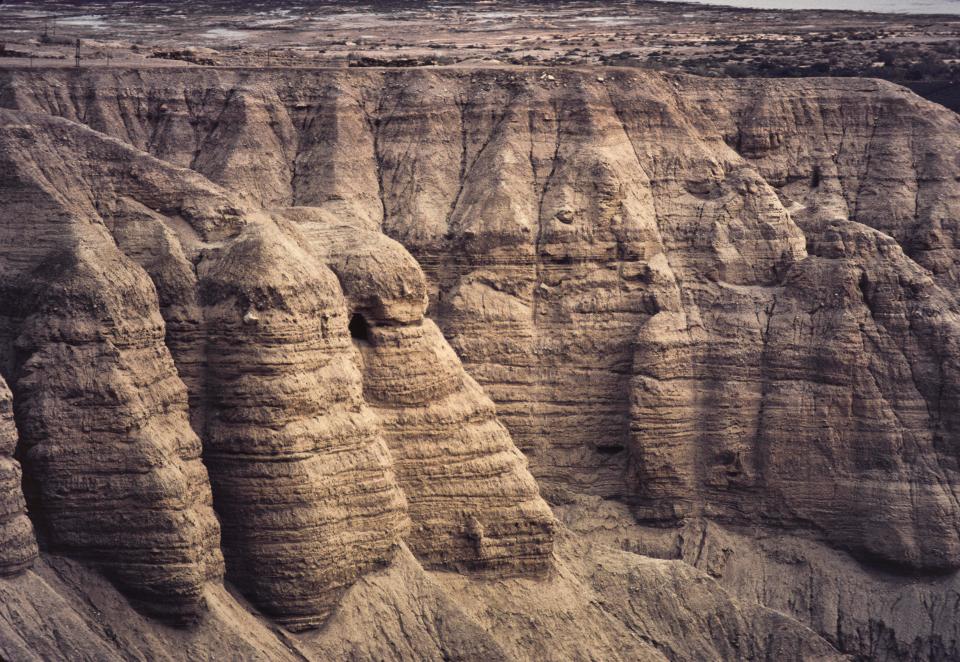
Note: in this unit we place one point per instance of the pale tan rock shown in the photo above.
(722, 301)
(105, 434)
(18, 547)
(112, 464)
(472, 503)
(296, 423)
(302, 478)
(857, 609)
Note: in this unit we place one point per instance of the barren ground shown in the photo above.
(921, 52)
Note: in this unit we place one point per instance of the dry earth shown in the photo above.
(272, 342)
(919, 51)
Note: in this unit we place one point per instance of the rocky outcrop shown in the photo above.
(721, 302)
(107, 447)
(112, 466)
(302, 478)
(18, 547)
(472, 501)
(864, 151)
(144, 280)
(107, 439)
(620, 263)
(724, 426)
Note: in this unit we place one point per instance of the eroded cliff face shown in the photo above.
(728, 302)
(474, 505)
(302, 479)
(212, 395)
(112, 466)
(18, 547)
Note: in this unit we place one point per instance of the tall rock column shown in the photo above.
(18, 548)
(473, 505)
(302, 478)
(113, 464)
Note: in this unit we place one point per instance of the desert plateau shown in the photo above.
(506, 330)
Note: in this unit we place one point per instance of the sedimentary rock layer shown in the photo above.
(18, 547)
(710, 300)
(112, 466)
(107, 447)
(301, 475)
(650, 275)
(473, 504)
(151, 273)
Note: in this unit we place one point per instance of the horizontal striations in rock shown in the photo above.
(731, 300)
(613, 261)
(472, 503)
(522, 272)
(430, 119)
(112, 465)
(18, 547)
(888, 370)
(302, 479)
(166, 250)
(107, 446)
(866, 151)
(257, 325)
(854, 356)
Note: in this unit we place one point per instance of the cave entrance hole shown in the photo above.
(359, 328)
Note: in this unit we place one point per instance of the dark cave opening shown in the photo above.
(359, 328)
(609, 449)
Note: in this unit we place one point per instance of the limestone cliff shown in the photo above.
(469, 493)
(112, 466)
(344, 449)
(18, 548)
(302, 479)
(721, 304)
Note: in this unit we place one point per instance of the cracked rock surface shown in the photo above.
(330, 307)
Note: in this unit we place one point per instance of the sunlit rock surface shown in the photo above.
(712, 303)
